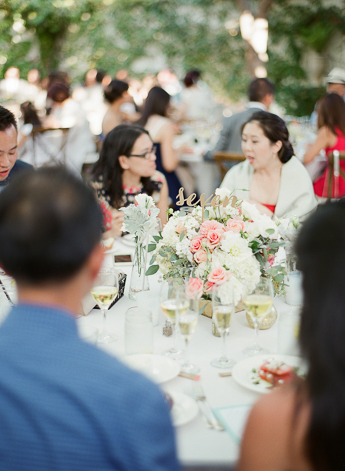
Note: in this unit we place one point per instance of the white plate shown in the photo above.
(184, 408)
(242, 371)
(156, 367)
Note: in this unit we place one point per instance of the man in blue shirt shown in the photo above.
(9, 165)
(64, 404)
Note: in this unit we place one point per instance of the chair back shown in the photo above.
(334, 173)
(60, 156)
(221, 157)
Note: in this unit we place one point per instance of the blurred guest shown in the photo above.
(65, 404)
(196, 101)
(126, 168)
(330, 137)
(335, 81)
(34, 148)
(271, 177)
(12, 87)
(115, 94)
(300, 426)
(162, 130)
(67, 113)
(261, 96)
(34, 85)
(90, 97)
(9, 165)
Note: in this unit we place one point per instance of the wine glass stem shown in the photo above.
(187, 351)
(174, 336)
(223, 351)
(104, 312)
(256, 327)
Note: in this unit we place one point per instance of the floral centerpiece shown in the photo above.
(232, 247)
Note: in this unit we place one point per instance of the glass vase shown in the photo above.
(139, 281)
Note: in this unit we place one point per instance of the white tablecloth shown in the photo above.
(196, 443)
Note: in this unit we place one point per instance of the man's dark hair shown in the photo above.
(50, 221)
(259, 88)
(7, 119)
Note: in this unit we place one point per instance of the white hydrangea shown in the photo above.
(231, 291)
(234, 244)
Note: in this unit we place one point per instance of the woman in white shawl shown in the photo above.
(271, 177)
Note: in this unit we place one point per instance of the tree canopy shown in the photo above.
(146, 35)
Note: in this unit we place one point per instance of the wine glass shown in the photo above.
(223, 307)
(187, 323)
(104, 293)
(258, 302)
(173, 303)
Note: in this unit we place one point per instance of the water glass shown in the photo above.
(138, 331)
(288, 331)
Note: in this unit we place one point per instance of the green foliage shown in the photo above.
(77, 35)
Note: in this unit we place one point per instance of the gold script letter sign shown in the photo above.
(214, 201)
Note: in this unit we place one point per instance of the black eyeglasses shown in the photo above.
(146, 155)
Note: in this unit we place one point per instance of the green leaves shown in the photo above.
(151, 247)
(183, 233)
(270, 231)
(152, 270)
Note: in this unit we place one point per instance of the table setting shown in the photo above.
(207, 380)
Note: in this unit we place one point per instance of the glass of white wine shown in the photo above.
(258, 302)
(173, 303)
(104, 293)
(187, 324)
(223, 308)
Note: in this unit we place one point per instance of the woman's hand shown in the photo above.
(116, 225)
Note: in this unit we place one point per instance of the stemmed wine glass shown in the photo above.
(173, 303)
(258, 302)
(223, 307)
(187, 324)
(104, 293)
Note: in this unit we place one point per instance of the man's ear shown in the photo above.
(123, 160)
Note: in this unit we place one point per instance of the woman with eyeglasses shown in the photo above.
(126, 168)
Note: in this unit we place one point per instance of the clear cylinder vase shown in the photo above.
(139, 282)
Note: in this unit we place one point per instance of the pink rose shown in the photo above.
(200, 256)
(213, 238)
(270, 259)
(195, 243)
(207, 226)
(235, 225)
(218, 276)
(195, 288)
(209, 287)
(180, 228)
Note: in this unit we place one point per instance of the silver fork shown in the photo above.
(205, 408)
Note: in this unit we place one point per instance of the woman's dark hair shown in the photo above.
(191, 78)
(320, 249)
(119, 141)
(60, 223)
(115, 90)
(58, 92)
(157, 102)
(331, 113)
(274, 128)
(30, 115)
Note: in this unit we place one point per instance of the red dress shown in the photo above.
(321, 183)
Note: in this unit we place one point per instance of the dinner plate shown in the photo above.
(184, 408)
(242, 372)
(156, 367)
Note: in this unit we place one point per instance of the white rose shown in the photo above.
(222, 193)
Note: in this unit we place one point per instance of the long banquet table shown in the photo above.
(197, 444)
